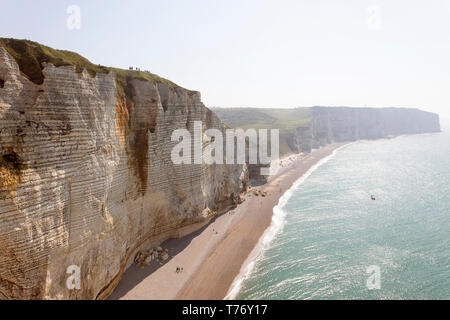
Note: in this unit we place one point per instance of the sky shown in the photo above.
(261, 53)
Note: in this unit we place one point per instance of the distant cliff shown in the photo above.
(340, 124)
(302, 129)
(86, 177)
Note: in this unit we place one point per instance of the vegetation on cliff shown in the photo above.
(31, 55)
(286, 120)
(269, 118)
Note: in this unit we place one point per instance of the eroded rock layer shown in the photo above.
(86, 178)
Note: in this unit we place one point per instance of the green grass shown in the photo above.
(286, 120)
(260, 118)
(30, 55)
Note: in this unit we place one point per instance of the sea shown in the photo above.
(330, 240)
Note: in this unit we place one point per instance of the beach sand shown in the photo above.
(212, 257)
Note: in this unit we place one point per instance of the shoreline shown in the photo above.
(276, 226)
(216, 256)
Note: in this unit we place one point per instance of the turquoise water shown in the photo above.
(333, 232)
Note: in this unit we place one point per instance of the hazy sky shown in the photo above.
(262, 53)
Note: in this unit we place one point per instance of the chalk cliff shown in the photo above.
(340, 124)
(304, 128)
(86, 177)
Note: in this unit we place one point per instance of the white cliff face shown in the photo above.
(86, 178)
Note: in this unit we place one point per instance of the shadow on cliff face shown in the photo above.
(135, 275)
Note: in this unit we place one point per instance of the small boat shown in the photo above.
(372, 197)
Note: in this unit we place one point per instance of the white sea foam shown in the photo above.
(277, 224)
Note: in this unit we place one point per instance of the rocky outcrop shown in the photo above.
(86, 177)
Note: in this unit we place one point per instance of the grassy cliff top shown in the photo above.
(286, 120)
(30, 55)
(270, 118)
